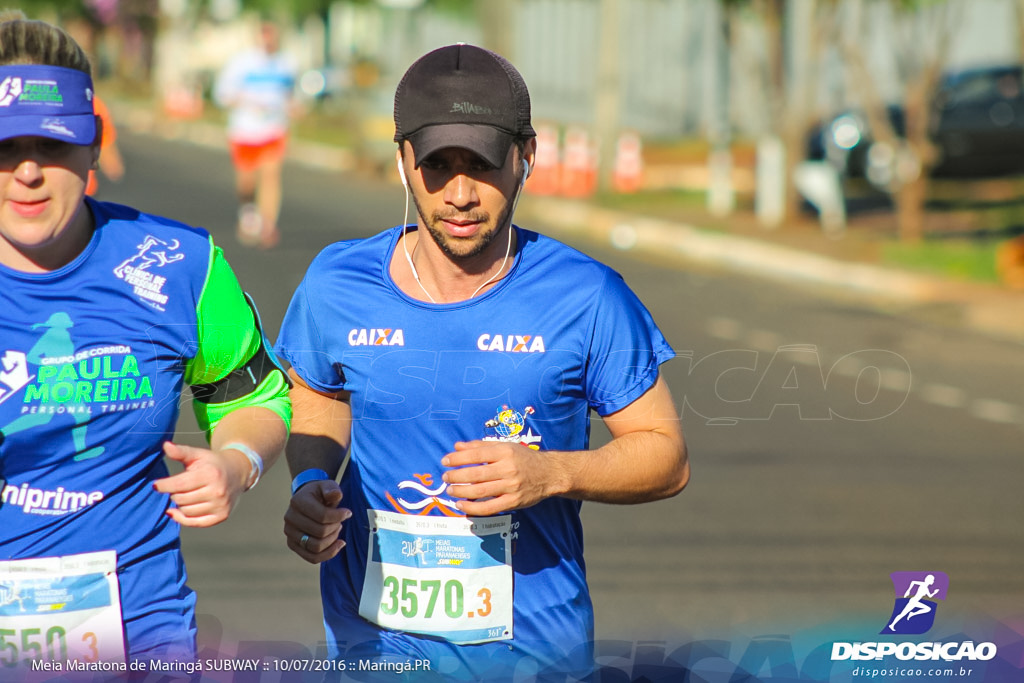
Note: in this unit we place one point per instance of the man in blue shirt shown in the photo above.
(447, 370)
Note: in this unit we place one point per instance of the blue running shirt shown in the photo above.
(526, 361)
(93, 358)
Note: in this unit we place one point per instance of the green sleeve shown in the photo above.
(228, 337)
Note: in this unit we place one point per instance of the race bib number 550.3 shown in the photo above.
(449, 577)
(60, 608)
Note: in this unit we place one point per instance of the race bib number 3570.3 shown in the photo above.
(59, 609)
(449, 577)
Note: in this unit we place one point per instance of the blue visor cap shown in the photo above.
(46, 101)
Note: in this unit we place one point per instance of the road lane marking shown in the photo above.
(995, 411)
(944, 395)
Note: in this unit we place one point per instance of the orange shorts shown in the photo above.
(250, 157)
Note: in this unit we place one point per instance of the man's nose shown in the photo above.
(461, 191)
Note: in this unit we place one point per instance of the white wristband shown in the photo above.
(255, 461)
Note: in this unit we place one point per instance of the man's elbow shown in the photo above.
(681, 473)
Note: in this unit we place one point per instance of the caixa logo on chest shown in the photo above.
(376, 337)
(515, 343)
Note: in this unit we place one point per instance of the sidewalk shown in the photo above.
(773, 255)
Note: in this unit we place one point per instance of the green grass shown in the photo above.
(972, 260)
(657, 203)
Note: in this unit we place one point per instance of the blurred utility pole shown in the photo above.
(771, 176)
(498, 26)
(609, 92)
(721, 199)
(1018, 7)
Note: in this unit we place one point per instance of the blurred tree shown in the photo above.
(922, 31)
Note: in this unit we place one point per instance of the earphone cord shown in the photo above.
(405, 245)
(408, 256)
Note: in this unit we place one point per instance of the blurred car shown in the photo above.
(977, 124)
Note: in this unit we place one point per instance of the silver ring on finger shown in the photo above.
(303, 541)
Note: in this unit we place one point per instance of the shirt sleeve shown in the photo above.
(229, 336)
(626, 348)
(302, 345)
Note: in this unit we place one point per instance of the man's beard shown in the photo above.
(461, 249)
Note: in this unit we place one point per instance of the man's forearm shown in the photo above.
(320, 432)
(633, 468)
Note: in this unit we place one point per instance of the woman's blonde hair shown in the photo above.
(24, 41)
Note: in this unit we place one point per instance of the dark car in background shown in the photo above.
(977, 125)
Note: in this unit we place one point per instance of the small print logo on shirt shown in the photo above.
(512, 343)
(13, 373)
(135, 270)
(376, 336)
(508, 425)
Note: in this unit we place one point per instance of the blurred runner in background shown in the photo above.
(257, 88)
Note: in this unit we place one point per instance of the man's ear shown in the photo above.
(530, 152)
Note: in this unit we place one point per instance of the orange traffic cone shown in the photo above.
(579, 168)
(628, 173)
(544, 175)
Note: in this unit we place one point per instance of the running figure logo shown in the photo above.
(10, 90)
(13, 373)
(136, 269)
(9, 595)
(914, 613)
(149, 252)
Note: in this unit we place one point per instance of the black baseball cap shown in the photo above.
(462, 96)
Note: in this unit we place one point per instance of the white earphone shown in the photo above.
(401, 174)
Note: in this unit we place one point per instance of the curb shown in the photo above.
(736, 254)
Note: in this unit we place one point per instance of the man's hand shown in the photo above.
(492, 477)
(209, 487)
(313, 521)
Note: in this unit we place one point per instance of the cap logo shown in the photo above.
(56, 126)
(46, 92)
(10, 89)
(469, 108)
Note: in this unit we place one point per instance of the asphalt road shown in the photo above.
(831, 445)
